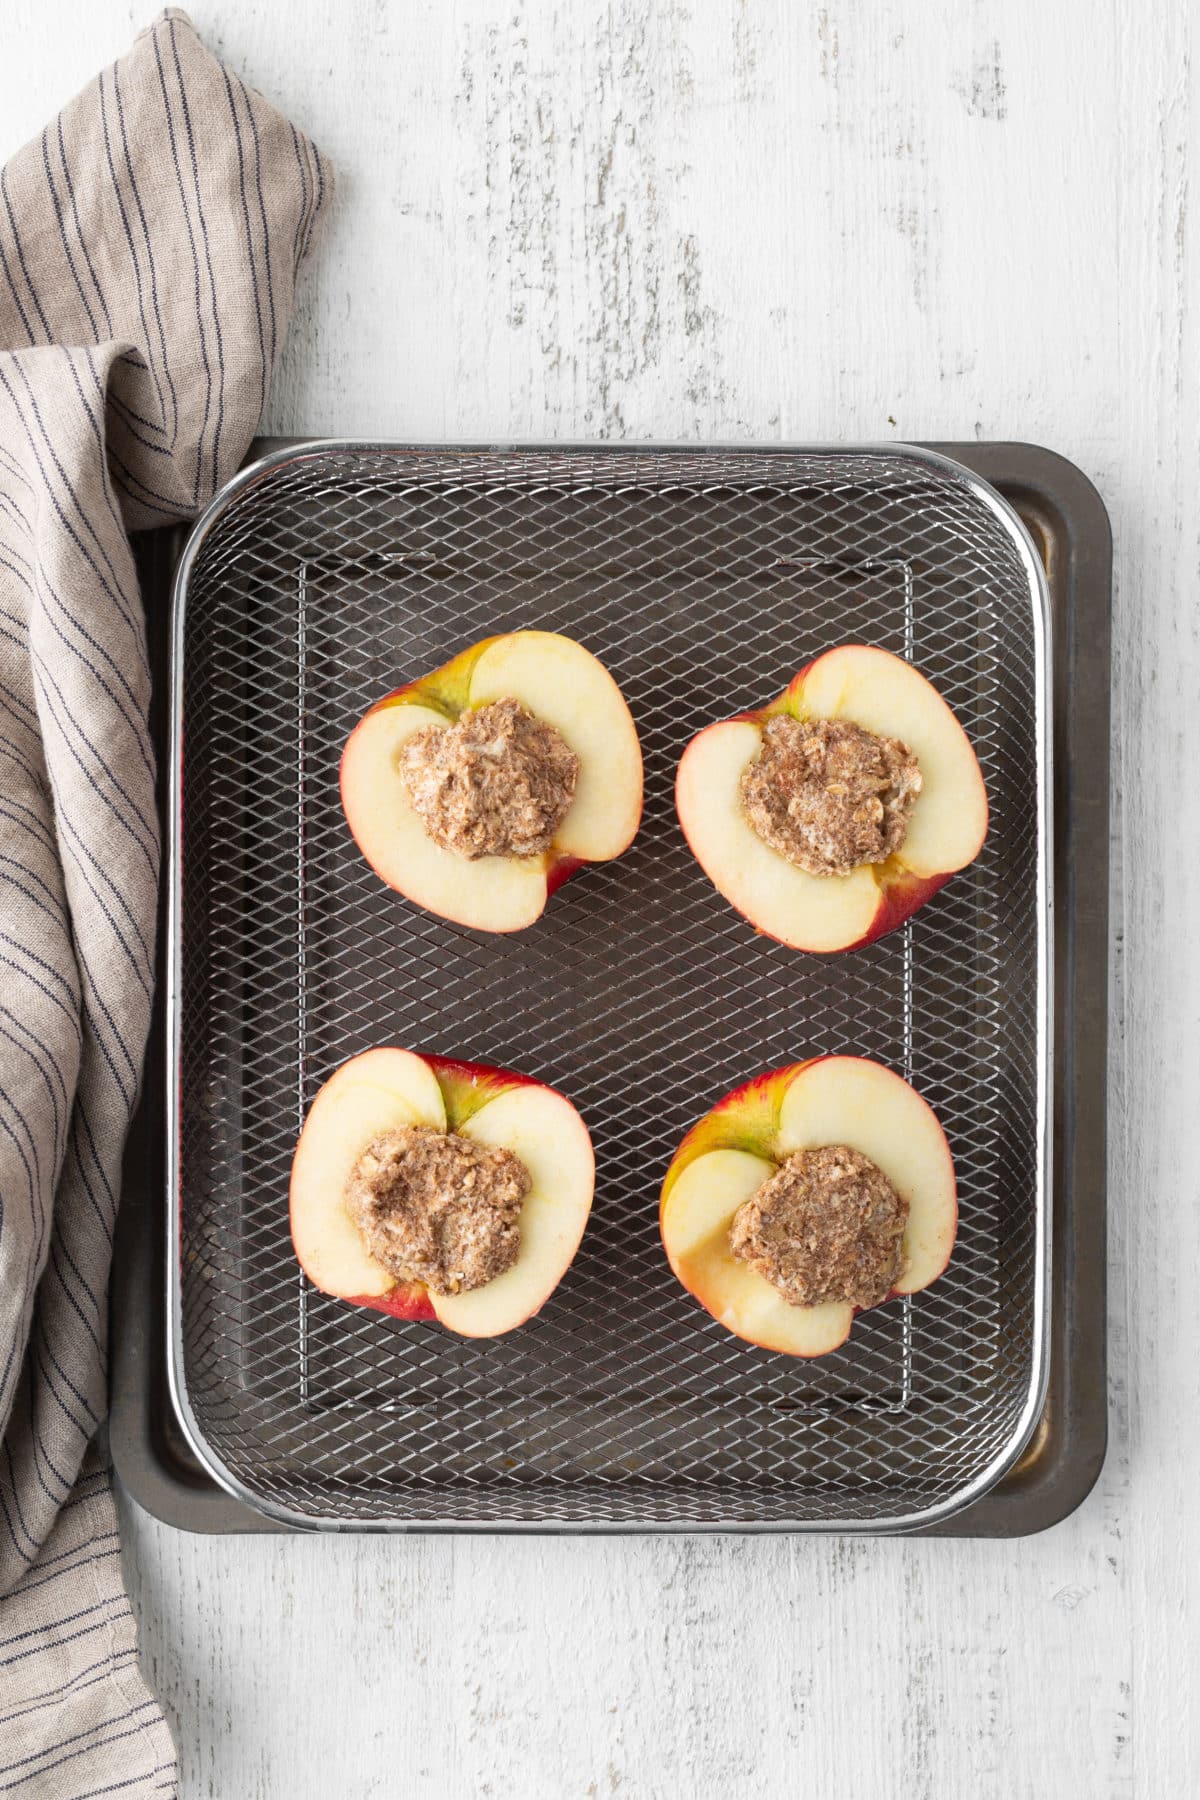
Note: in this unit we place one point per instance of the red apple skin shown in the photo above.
(454, 1068)
(446, 690)
(467, 1085)
(562, 870)
(747, 1118)
(900, 894)
(407, 1300)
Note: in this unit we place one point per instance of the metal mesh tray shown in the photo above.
(322, 577)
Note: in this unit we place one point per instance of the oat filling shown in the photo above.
(497, 783)
(827, 1225)
(829, 795)
(436, 1207)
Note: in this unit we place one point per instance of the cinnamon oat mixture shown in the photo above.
(828, 1225)
(436, 1207)
(497, 783)
(829, 795)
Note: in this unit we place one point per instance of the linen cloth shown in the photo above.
(150, 242)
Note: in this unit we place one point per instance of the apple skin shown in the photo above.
(466, 1086)
(562, 869)
(448, 691)
(748, 1119)
(407, 1300)
(900, 896)
(901, 893)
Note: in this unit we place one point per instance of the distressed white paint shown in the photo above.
(759, 219)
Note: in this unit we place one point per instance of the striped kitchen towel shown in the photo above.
(150, 242)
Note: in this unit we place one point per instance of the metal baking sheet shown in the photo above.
(702, 578)
(1060, 1462)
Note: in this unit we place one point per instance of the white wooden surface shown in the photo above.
(759, 219)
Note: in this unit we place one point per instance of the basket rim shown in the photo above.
(934, 464)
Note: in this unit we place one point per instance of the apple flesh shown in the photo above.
(885, 695)
(386, 1088)
(725, 1158)
(559, 682)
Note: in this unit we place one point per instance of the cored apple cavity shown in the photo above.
(540, 774)
(817, 868)
(499, 782)
(437, 1208)
(828, 795)
(828, 1225)
(381, 1192)
(807, 1195)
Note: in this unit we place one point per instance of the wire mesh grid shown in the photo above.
(703, 580)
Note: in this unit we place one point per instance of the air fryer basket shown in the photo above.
(323, 577)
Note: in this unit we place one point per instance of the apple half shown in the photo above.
(728, 1155)
(887, 696)
(559, 682)
(386, 1088)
